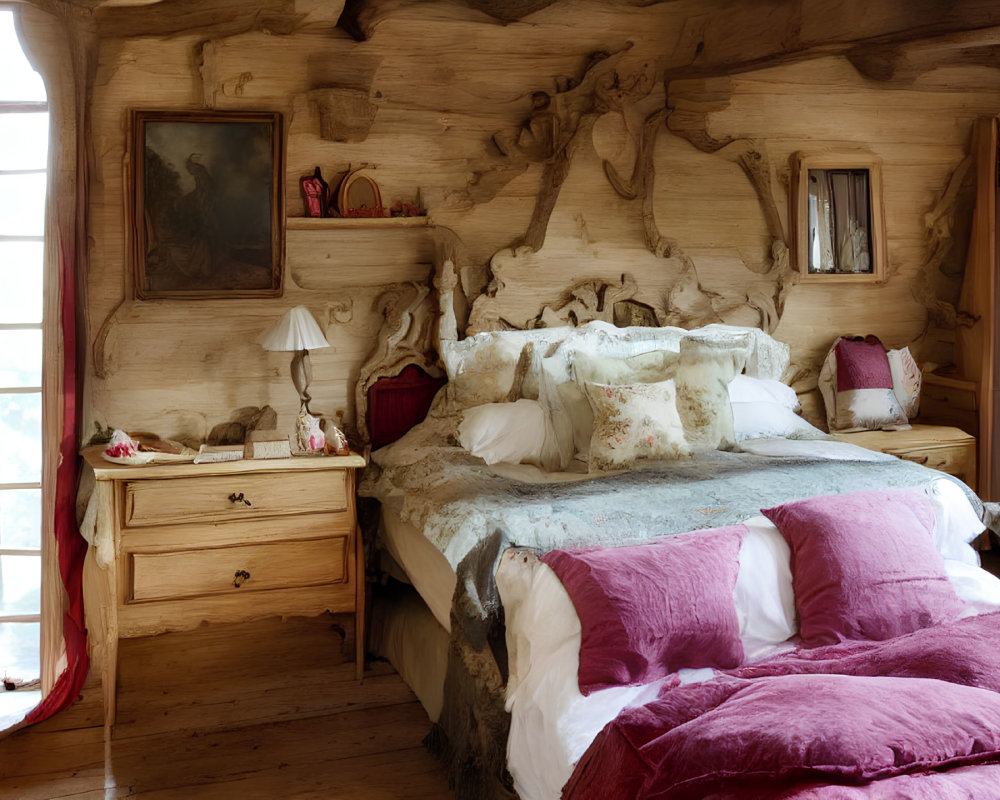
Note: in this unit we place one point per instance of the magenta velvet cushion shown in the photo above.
(866, 710)
(864, 565)
(862, 364)
(648, 610)
(708, 737)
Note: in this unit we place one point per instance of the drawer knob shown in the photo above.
(241, 577)
(239, 498)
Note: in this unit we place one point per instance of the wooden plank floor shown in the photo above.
(256, 711)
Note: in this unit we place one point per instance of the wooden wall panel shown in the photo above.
(446, 79)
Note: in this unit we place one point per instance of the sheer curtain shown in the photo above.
(820, 223)
(55, 42)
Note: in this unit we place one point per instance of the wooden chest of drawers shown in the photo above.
(225, 542)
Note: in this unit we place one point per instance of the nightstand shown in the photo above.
(936, 446)
(227, 542)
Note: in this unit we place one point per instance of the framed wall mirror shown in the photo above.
(838, 217)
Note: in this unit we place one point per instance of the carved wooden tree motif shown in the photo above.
(558, 126)
(689, 121)
(559, 122)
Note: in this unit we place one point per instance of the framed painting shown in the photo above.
(208, 204)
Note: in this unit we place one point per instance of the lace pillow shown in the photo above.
(705, 369)
(633, 422)
(906, 380)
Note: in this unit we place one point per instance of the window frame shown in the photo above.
(26, 107)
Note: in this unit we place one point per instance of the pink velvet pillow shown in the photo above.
(862, 364)
(651, 609)
(864, 565)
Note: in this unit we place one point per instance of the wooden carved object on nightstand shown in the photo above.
(222, 542)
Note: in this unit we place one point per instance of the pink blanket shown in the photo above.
(913, 717)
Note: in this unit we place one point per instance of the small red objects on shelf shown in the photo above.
(365, 211)
(315, 190)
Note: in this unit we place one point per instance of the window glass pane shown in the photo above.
(20, 579)
(21, 438)
(18, 81)
(20, 518)
(21, 279)
(20, 359)
(22, 204)
(24, 140)
(19, 647)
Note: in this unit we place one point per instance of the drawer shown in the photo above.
(255, 568)
(261, 530)
(220, 498)
(958, 460)
(955, 394)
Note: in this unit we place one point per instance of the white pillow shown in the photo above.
(956, 524)
(979, 589)
(633, 422)
(759, 420)
(746, 389)
(763, 596)
(504, 432)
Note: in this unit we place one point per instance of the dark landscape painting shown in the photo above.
(208, 205)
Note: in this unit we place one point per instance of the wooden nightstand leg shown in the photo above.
(109, 682)
(359, 608)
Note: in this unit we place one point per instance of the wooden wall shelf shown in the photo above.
(335, 223)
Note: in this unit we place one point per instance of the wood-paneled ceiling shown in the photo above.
(719, 37)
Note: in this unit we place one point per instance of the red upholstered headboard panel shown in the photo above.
(397, 404)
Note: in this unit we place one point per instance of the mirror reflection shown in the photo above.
(837, 217)
(840, 222)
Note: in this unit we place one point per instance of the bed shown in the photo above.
(550, 447)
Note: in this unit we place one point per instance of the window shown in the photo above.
(24, 122)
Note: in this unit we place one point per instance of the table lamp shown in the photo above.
(297, 332)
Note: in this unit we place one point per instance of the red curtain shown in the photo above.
(71, 546)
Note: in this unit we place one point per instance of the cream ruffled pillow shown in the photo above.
(634, 422)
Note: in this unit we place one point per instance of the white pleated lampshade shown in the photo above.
(297, 330)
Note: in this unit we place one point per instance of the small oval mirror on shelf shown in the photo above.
(838, 217)
(359, 196)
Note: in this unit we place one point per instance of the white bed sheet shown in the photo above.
(830, 449)
(425, 566)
